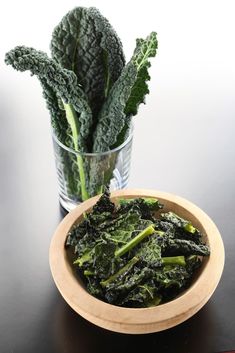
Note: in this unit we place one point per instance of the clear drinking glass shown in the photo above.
(83, 175)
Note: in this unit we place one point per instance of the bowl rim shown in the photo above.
(137, 320)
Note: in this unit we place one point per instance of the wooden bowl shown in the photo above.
(146, 320)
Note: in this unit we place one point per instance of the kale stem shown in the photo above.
(84, 258)
(88, 273)
(190, 228)
(136, 240)
(72, 120)
(160, 232)
(122, 271)
(84, 192)
(174, 260)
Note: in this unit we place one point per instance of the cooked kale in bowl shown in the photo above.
(133, 254)
(139, 261)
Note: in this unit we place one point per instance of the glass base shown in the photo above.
(116, 183)
(83, 175)
(67, 204)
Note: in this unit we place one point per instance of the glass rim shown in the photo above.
(95, 154)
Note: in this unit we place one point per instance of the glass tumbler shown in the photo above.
(83, 175)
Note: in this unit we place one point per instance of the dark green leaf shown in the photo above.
(183, 228)
(145, 206)
(114, 114)
(186, 247)
(150, 252)
(127, 261)
(85, 42)
(62, 81)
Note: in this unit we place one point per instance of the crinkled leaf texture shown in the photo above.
(63, 82)
(85, 42)
(125, 96)
(146, 274)
(66, 162)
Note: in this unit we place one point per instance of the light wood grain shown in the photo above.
(144, 320)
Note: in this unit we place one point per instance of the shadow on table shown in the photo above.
(72, 333)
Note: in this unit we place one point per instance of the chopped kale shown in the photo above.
(128, 256)
(186, 247)
(145, 206)
(183, 228)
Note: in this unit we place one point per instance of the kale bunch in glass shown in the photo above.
(90, 91)
(134, 254)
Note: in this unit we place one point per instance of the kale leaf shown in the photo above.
(183, 229)
(170, 280)
(104, 204)
(129, 257)
(186, 247)
(116, 291)
(90, 93)
(85, 42)
(66, 161)
(62, 81)
(143, 295)
(123, 100)
(149, 252)
(62, 92)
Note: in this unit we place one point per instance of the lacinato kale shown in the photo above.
(125, 96)
(186, 247)
(93, 51)
(104, 204)
(149, 252)
(90, 93)
(183, 229)
(118, 290)
(129, 256)
(146, 206)
(63, 82)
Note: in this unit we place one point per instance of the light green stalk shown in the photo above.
(121, 251)
(84, 258)
(174, 260)
(122, 270)
(72, 120)
(190, 228)
(136, 240)
(88, 273)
